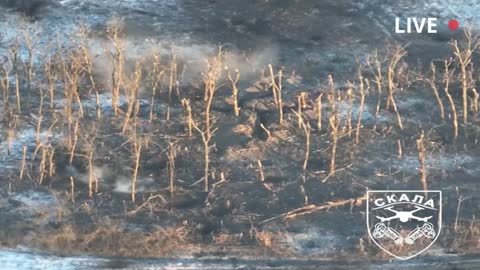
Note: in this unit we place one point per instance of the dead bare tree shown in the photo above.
(51, 77)
(446, 80)
(72, 75)
(433, 84)
(133, 88)
(172, 81)
(361, 89)
(307, 131)
(89, 140)
(156, 76)
(206, 137)
(73, 139)
(137, 145)
(16, 72)
(84, 34)
(260, 171)
(24, 158)
(12, 123)
(334, 133)
(319, 112)
(475, 100)
(211, 85)
(395, 56)
(28, 37)
(422, 159)
(375, 65)
(350, 108)
(171, 155)
(463, 55)
(5, 82)
(302, 105)
(189, 119)
(114, 32)
(234, 84)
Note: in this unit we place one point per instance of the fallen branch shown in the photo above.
(133, 212)
(309, 209)
(335, 171)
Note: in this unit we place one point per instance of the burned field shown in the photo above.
(116, 146)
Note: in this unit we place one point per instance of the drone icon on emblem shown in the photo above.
(404, 216)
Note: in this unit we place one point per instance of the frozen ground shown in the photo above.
(38, 261)
(313, 37)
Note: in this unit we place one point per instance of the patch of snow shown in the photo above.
(315, 242)
(32, 205)
(23, 137)
(438, 162)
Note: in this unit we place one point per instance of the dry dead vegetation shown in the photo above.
(57, 97)
(112, 239)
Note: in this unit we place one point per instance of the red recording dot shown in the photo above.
(453, 25)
